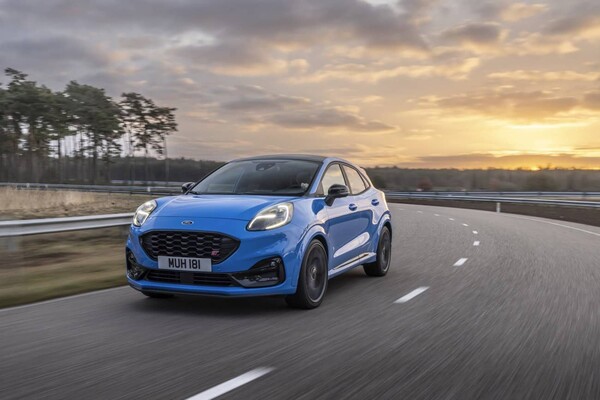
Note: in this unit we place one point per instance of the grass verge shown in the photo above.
(26, 204)
(43, 267)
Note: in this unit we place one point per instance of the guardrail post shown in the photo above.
(498, 207)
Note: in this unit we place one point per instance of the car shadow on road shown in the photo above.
(339, 287)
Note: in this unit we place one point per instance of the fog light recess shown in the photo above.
(267, 272)
(134, 270)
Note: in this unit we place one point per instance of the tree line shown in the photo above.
(77, 133)
(492, 179)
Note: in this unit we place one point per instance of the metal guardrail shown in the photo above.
(55, 225)
(494, 199)
(498, 194)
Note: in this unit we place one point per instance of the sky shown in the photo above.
(412, 83)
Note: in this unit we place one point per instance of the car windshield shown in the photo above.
(261, 177)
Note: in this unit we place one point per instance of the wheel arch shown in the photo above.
(321, 238)
(388, 224)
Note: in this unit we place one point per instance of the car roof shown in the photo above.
(305, 157)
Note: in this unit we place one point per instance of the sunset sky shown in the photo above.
(413, 83)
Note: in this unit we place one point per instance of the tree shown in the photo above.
(540, 181)
(147, 125)
(96, 117)
(425, 184)
(4, 142)
(43, 132)
(133, 122)
(29, 119)
(378, 181)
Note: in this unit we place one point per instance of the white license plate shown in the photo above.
(185, 264)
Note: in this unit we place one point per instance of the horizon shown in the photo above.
(410, 83)
(536, 168)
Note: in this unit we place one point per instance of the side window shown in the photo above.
(332, 176)
(357, 185)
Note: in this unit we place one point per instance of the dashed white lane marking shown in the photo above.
(451, 219)
(475, 232)
(412, 294)
(420, 212)
(476, 243)
(437, 215)
(231, 384)
(460, 262)
(75, 296)
(465, 225)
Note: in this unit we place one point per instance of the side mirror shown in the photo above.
(186, 186)
(335, 192)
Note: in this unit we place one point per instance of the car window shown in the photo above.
(357, 185)
(260, 177)
(332, 176)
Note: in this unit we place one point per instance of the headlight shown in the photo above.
(272, 217)
(143, 212)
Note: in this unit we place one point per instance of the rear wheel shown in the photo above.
(312, 282)
(155, 295)
(384, 255)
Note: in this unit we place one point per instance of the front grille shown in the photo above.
(189, 244)
(190, 278)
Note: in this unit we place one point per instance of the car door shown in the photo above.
(362, 212)
(342, 226)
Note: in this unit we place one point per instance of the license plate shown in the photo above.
(185, 264)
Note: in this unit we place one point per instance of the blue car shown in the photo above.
(260, 226)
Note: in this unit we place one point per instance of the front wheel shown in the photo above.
(384, 255)
(312, 282)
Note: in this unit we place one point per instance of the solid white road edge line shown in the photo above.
(460, 262)
(75, 296)
(231, 384)
(476, 243)
(411, 295)
(555, 223)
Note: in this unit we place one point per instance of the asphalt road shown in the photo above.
(518, 319)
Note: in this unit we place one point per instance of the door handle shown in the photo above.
(375, 202)
(352, 207)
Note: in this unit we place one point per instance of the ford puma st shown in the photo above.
(271, 225)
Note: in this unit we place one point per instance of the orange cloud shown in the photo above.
(538, 75)
(518, 11)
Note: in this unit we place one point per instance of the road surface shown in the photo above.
(477, 305)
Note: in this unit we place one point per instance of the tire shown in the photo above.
(382, 263)
(312, 282)
(155, 295)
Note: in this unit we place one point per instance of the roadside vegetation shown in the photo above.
(42, 267)
(26, 204)
(544, 179)
(40, 128)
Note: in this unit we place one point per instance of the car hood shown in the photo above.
(241, 207)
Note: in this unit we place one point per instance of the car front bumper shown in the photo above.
(255, 247)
